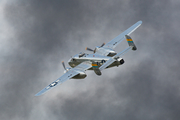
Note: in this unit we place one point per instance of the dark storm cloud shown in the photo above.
(41, 25)
(47, 32)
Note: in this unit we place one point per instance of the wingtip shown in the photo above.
(140, 22)
(37, 94)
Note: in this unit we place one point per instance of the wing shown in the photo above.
(66, 76)
(114, 42)
(84, 66)
(71, 73)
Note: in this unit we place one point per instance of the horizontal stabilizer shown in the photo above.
(130, 42)
(96, 68)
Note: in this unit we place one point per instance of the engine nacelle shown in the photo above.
(81, 75)
(112, 53)
(105, 51)
(120, 61)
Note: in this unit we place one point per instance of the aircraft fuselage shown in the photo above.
(95, 58)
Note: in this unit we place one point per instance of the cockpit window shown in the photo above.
(72, 59)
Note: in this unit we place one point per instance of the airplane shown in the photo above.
(103, 57)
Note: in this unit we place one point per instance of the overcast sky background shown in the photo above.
(37, 35)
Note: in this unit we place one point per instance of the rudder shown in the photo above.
(130, 42)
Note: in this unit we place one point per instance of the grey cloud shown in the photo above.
(47, 32)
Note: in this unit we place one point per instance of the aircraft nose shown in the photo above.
(71, 60)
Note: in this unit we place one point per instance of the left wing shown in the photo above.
(66, 76)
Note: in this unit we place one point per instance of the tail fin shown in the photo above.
(130, 42)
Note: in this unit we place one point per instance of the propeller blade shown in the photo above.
(64, 65)
(89, 49)
(102, 45)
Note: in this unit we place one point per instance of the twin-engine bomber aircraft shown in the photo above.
(103, 57)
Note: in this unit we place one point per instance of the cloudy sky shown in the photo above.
(37, 35)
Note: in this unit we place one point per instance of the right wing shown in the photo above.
(114, 42)
(66, 76)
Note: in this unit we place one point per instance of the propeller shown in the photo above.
(64, 65)
(89, 49)
(66, 68)
(102, 45)
(94, 49)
